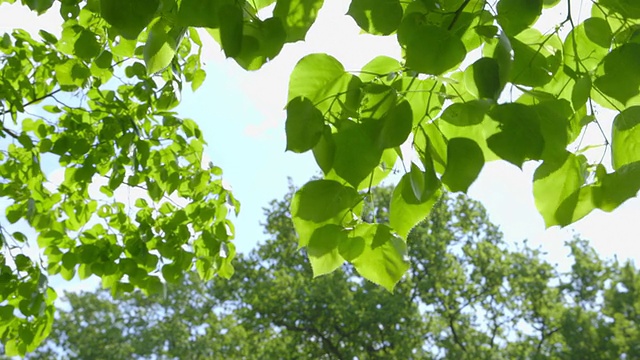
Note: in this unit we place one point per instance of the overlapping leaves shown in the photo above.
(453, 120)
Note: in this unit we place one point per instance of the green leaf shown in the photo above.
(325, 150)
(198, 13)
(581, 92)
(86, 46)
(231, 24)
(71, 73)
(297, 16)
(618, 187)
(315, 76)
(129, 18)
(377, 100)
(198, 79)
(520, 138)
(323, 250)
(483, 79)
(464, 162)
(517, 15)
(621, 79)
(171, 273)
(383, 259)
(429, 49)
(406, 210)
(418, 181)
(466, 114)
(321, 202)
(39, 6)
(161, 46)
(396, 125)
(625, 138)
(535, 65)
(554, 181)
(304, 125)
(377, 17)
(357, 152)
(626, 8)
(587, 44)
(381, 67)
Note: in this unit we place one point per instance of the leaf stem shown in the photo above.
(34, 101)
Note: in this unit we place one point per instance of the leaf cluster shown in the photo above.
(477, 82)
(468, 296)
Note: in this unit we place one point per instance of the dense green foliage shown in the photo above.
(99, 102)
(468, 296)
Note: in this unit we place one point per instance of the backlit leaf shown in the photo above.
(554, 182)
(161, 46)
(323, 249)
(625, 137)
(318, 203)
(383, 258)
(297, 16)
(406, 210)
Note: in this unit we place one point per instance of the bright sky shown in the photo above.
(242, 117)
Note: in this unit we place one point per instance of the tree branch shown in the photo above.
(457, 14)
(456, 339)
(9, 132)
(34, 101)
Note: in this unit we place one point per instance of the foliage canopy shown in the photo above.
(446, 98)
(468, 296)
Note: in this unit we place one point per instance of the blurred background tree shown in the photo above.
(468, 295)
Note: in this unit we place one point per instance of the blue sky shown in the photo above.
(241, 115)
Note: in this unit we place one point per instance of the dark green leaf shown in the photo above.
(464, 162)
(581, 92)
(231, 24)
(621, 79)
(357, 152)
(484, 78)
(325, 150)
(429, 49)
(520, 137)
(86, 46)
(396, 126)
(128, 17)
(517, 15)
(378, 17)
(467, 113)
(39, 6)
(626, 8)
(198, 13)
(304, 125)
